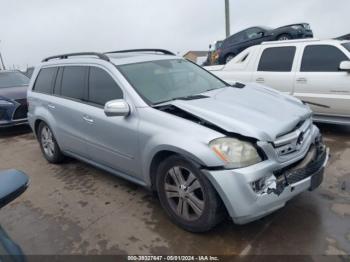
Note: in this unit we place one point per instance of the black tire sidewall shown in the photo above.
(211, 215)
(57, 156)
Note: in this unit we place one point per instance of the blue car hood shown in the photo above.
(14, 93)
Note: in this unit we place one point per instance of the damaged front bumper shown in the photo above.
(247, 198)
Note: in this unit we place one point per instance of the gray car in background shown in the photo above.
(206, 147)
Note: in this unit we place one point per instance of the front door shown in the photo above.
(112, 141)
(276, 68)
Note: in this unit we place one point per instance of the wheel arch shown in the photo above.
(161, 155)
(284, 33)
(36, 125)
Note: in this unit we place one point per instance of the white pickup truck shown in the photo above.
(315, 71)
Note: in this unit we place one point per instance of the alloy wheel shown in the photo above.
(47, 141)
(184, 193)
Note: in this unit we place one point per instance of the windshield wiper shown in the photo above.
(238, 85)
(190, 97)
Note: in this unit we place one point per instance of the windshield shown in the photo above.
(165, 80)
(11, 79)
(347, 46)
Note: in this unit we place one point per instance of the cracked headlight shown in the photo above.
(235, 153)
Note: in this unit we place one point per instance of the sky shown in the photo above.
(33, 29)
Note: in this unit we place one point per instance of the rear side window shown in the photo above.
(102, 87)
(234, 39)
(45, 80)
(277, 59)
(74, 82)
(322, 58)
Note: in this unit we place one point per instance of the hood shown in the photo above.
(253, 111)
(14, 93)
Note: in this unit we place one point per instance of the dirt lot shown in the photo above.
(77, 209)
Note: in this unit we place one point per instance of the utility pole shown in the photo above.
(2, 61)
(227, 17)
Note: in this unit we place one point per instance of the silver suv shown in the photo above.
(206, 147)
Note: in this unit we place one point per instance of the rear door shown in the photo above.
(112, 141)
(70, 91)
(276, 68)
(320, 82)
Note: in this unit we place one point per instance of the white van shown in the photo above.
(316, 71)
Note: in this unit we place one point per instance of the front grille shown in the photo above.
(2, 114)
(295, 174)
(293, 141)
(21, 110)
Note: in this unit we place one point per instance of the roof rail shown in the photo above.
(165, 52)
(65, 56)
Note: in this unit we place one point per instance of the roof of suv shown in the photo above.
(137, 58)
(327, 41)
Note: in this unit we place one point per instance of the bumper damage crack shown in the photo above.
(311, 166)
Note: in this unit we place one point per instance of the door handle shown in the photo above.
(88, 119)
(302, 80)
(51, 106)
(260, 80)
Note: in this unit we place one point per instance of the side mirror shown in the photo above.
(12, 184)
(345, 66)
(117, 107)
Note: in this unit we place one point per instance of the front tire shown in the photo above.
(48, 144)
(187, 196)
(229, 58)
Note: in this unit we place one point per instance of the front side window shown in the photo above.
(74, 82)
(277, 59)
(322, 58)
(45, 79)
(102, 87)
(164, 80)
(13, 79)
(253, 33)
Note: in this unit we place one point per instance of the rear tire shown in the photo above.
(48, 144)
(284, 37)
(187, 196)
